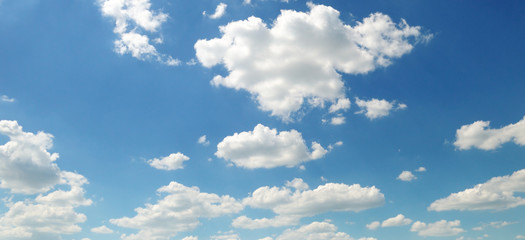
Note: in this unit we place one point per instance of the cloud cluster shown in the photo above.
(25, 164)
(133, 20)
(172, 162)
(49, 215)
(290, 206)
(496, 194)
(178, 211)
(376, 108)
(271, 64)
(479, 135)
(266, 148)
(437, 229)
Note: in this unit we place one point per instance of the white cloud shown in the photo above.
(133, 18)
(421, 169)
(219, 11)
(290, 206)
(520, 236)
(373, 225)
(273, 66)
(5, 98)
(230, 235)
(25, 164)
(102, 230)
(178, 211)
(341, 104)
(438, 229)
(266, 148)
(338, 120)
(367, 238)
(298, 184)
(498, 224)
(172, 162)
(314, 231)
(190, 238)
(47, 215)
(399, 220)
(376, 108)
(479, 135)
(406, 176)
(202, 140)
(496, 194)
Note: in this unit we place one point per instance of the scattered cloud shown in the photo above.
(315, 230)
(25, 164)
(421, 169)
(338, 120)
(102, 230)
(373, 225)
(49, 215)
(496, 194)
(498, 224)
(479, 135)
(133, 21)
(5, 98)
(399, 220)
(219, 11)
(376, 108)
(341, 104)
(438, 229)
(178, 211)
(271, 64)
(230, 235)
(266, 148)
(202, 140)
(290, 206)
(406, 176)
(172, 162)
(190, 238)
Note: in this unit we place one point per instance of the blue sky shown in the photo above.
(262, 119)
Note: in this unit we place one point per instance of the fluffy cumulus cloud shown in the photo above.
(272, 65)
(406, 176)
(26, 166)
(266, 148)
(498, 193)
(479, 135)
(134, 20)
(290, 205)
(178, 211)
(49, 215)
(102, 230)
(399, 220)
(438, 229)
(172, 162)
(376, 108)
(314, 231)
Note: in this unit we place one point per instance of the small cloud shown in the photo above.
(421, 169)
(5, 98)
(376, 108)
(219, 11)
(337, 144)
(406, 176)
(373, 225)
(520, 236)
(191, 62)
(339, 120)
(102, 230)
(172, 162)
(324, 179)
(202, 140)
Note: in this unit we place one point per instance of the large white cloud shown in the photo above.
(479, 135)
(376, 108)
(178, 211)
(266, 148)
(496, 194)
(290, 206)
(25, 164)
(298, 58)
(47, 216)
(173, 161)
(133, 20)
(438, 229)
